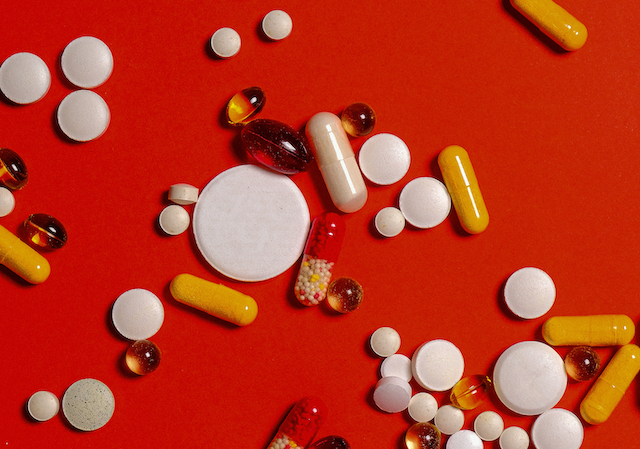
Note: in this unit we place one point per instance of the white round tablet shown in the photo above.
(88, 404)
(514, 437)
(24, 78)
(437, 365)
(225, 42)
(425, 202)
(7, 202)
(529, 377)
(464, 439)
(83, 115)
(385, 341)
(529, 293)
(389, 221)
(277, 25)
(557, 429)
(251, 224)
(422, 407)
(449, 419)
(183, 194)
(87, 62)
(392, 394)
(137, 314)
(384, 159)
(43, 405)
(174, 219)
(397, 365)
(488, 425)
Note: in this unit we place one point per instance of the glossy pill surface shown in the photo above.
(582, 363)
(331, 442)
(423, 435)
(7, 201)
(43, 405)
(358, 119)
(225, 42)
(22, 259)
(45, 231)
(469, 392)
(345, 295)
(301, 425)
(143, 357)
(245, 105)
(24, 78)
(87, 62)
(590, 330)
(13, 171)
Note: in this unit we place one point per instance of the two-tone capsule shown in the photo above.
(22, 259)
(589, 330)
(301, 425)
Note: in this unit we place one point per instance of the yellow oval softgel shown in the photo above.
(22, 259)
(554, 21)
(589, 330)
(608, 389)
(215, 299)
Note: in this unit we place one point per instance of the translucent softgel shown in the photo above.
(13, 171)
(45, 231)
(143, 357)
(245, 105)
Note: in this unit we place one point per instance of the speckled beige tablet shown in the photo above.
(88, 404)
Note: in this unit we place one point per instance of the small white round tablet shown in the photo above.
(449, 419)
(87, 62)
(88, 404)
(389, 221)
(137, 314)
(24, 78)
(529, 292)
(425, 202)
(225, 42)
(464, 439)
(43, 405)
(183, 194)
(488, 425)
(384, 159)
(514, 437)
(392, 394)
(529, 377)
(174, 219)
(557, 429)
(83, 115)
(422, 407)
(277, 25)
(385, 341)
(397, 365)
(437, 365)
(7, 202)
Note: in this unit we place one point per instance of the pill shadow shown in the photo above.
(530, 26)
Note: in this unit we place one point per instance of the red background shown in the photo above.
(553, 137)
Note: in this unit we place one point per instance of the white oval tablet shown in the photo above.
(225, 42)
(389, 222)
(514, 437)
(43, 405)
(529, 292)
(277, 25)
(251, 224)
(384, 159)
(83, 115)
(183, 194)
(464, 439)
(385, 341)
(488, 425)
(449, 419)
(7, 202)
(422, 407)
(437, 365)
(392, 394)
(87, 62)
(529, 377)
(88, 404)
(425, 202)
(24, 78)
(557, 429)
(397, 365)
(174, 219)
(137, 314)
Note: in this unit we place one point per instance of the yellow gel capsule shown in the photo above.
(462, 185)
(215, 299)
(22, 259)
(554, 21)
(589, 330)
(608, 389)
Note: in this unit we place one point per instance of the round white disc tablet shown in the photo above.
(464, 439)
(397, 365)
(389, 221)
(137, 314)
(174, 219)
(514, 438)
(529, 292)
(7, 202)
(449, 419)
(384, 159)
(557, 429)
(392, 394)
(24, 78)
(488, 426)
(277, 25)
(88, 404)
(425, 202)
(43, 405)
(437, 365)
(385, 341)
(529, 377)
(251, 224)
(87, 62)
(183, 194)
(83, 115)
(225, 42)
(422, 407)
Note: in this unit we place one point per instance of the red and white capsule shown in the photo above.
(301, 425)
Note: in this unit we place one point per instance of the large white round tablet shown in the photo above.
(398, 365)
(251, 224)
(87, 62)
(529, 377)
(43, 405)
(514, 437)
(437, 365)
(422, 407)
(277, 25)
(389, 221)
(464, 439)
(425, 202)
(449, 419)
(557, 429)
(24, 78)
(529, 292)
(385, 341)
(137, 314)
(83, 115)
(488, 425)
(384, 159)
(88, 404)
(7, 202)
(225, 42)
(392, 394)
(174, 219)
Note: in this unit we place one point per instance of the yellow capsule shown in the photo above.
(462, 185)
(608, 389)
(22, 259)
(589, 330)
(215, 299)
(554, 21)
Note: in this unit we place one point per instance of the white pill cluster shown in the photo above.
(175, 219)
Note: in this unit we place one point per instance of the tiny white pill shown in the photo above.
(277, 25)
(437, 365)
(24, 78)
(392, 394)
(422, 407)
(43, 405)
(385, 341)
(225, 42)
(557, 429)
(398, 365)
(389, 221)
(425, 202)
(464, 439)
(384, 159)
(88, 404)
(174, 219)
(449, 419)
(83, 115)
(87, 62)
(514, 437)
(7, 201)
(137, 314)
(183, 194)
(529, 292)
(488, 425)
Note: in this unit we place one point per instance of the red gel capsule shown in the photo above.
(301, 425)
(13, 171)
(277, 146)
(320, 254)
(331, 442)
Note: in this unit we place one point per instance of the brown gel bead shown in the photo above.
(143, 357)
(13, 171)
(344, 295)
(358, 119)
(45, 231)
(582, 363)
(423, 435)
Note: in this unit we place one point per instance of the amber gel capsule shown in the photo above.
(22, 259)
(301, 425)
(589, 330)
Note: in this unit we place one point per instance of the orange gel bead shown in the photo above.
(345, 295)
(582, 363)
(245, 105)
(358, 119)
(423, 435)
(13, 171)
(45, 231)
(470, 391)
(143, 357)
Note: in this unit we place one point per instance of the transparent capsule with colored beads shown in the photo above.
(469, 392)
(13, 171)
(320, 254)
(301, 425)
(245, 105)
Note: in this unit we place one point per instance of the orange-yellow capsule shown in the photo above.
(462, 185)
(22, 259)
(589, 330)
(608, 389)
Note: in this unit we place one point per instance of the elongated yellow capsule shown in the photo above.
(462, 185)
(215, 299)
(589, 330)
(608, 389)
(554, 21)
(22, 259)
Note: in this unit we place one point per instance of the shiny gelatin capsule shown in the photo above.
(588, 330)
(245, 105)
(301, 425)
(470, 391)
(22, 259)
(331, 442)
(13, 171)
(423, 435)
(45, 231)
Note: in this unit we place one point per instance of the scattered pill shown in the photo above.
(425, 202)
(469, 392)
(43, 405)
(384, 159)
(514, 437)
(358, 119)
(422, 407)
(183, 194)
(143, 357)
(392, 394)
(345, 295)
(88, 404)
(7, 202)
(277, 25)
(225, 42)
(449, 419)
(301, 425)
(83, 115)
(331, 442)
(24, 78)
(385, 341)
(423, 435)
(557, 429)
(87, 62)
(137, 314)
(488, 425)
(437, 365)
(590, 330)
(464, 439)
(22, 259)
(398, 365)
(582, 363)
(174, 219)
(389, 221)
(529, 293)
(13, 171)
(245, 105)
(45, 231)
